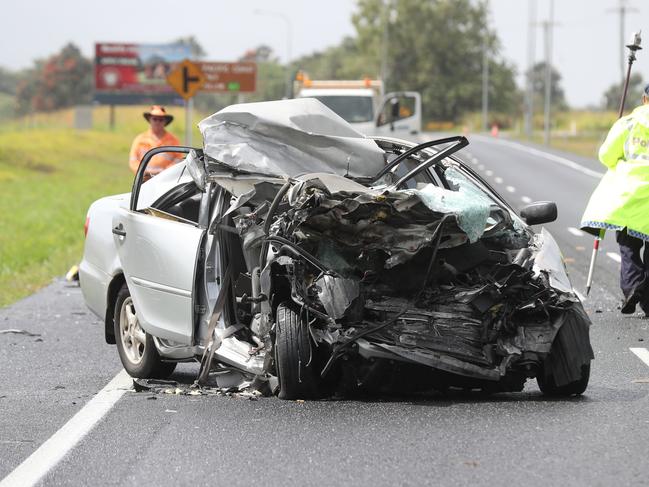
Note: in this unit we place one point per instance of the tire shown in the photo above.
(549, 388)
(136, 349)
(294, 357)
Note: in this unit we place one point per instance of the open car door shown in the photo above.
(159, 259)
(400, 114)
(159, 255)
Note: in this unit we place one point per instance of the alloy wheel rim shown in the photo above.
(131, 334)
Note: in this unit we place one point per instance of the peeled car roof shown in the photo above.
(287, 138)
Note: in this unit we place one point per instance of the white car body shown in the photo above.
(204, 251)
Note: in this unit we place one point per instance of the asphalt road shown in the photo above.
(461, 439)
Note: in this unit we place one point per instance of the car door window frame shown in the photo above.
(139, 175)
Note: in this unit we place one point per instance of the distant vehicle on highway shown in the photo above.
(295, 251)
(364, 106)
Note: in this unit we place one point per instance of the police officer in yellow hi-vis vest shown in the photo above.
(621, 201)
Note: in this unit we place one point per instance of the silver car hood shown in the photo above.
(288, 137)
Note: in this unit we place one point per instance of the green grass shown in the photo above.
(48, 179)
(577, 131)
(583, 145)
(49, 175)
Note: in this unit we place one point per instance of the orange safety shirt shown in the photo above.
(147, 141)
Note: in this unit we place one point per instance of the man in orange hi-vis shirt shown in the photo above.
(156, 136)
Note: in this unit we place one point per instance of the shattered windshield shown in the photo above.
(353, 109)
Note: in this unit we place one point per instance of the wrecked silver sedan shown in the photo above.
(294, 251)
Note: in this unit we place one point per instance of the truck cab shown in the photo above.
(363, 105)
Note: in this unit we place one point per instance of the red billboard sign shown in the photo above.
(136, 68)
(229, 77)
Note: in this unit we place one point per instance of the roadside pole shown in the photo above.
(187, 79)
(531, 51)
(485, 87)
(189, 108)
(548, 30)
(111, 117)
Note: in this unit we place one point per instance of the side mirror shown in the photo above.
(539, 212)
(394, 108)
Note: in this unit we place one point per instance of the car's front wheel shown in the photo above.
(549, 387)
(294, 357)
(135, 346)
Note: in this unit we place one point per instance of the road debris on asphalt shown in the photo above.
(19, 332)
(245, 390)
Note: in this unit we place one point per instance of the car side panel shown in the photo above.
(100, 263)
(159, 261)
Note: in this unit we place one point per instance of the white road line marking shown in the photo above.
(511, 189)
(552, 157)
(642, 353)
(58, 445)
(614, 256)
(481, 167)
(576, 232)
(474, 160)
(498, 179)
(526, 199)
(489, 172)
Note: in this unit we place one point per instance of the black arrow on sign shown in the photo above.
(188, 79)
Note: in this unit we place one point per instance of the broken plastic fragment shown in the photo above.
(549, 260)
(336, 294)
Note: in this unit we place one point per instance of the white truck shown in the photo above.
(363, 104)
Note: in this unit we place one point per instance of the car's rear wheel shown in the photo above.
(549, 387)
(135, 346)
(294, 357)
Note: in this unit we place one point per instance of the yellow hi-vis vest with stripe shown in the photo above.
(621, 200)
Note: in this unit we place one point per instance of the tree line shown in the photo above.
(435, 47)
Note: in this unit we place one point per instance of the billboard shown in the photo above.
(136, 73)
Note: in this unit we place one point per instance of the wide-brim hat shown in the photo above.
(158, 111)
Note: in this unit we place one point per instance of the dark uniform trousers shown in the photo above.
(634, 272)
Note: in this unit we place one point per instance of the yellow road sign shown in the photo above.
(187, 78)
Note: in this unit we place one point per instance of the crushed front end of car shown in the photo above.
(396, 296)
(361, 284)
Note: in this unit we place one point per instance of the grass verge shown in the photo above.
(48, 180)
(49, 175)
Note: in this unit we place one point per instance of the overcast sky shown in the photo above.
(585, 43)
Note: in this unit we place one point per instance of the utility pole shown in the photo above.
(384, 41)
(485, 75)
(531, 52)
(548, 27)
(485, 87)
(622, 9)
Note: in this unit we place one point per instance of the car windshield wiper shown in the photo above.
(418, 148)
(460, 142)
